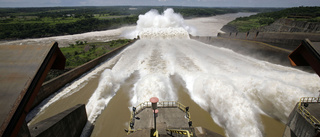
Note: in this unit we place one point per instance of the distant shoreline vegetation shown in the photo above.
(245, 24)
(82, 52)
(21, 23)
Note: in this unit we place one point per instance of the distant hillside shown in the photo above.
(20, 23)
(290, 25)
(297, 19)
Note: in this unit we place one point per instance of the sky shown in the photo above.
(201, 3)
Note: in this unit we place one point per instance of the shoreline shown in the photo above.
(112, 34)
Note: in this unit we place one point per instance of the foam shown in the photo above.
(233, 88)
(169, 25)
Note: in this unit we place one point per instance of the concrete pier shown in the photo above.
(170, 115)
(69, 123)
(167, 118)
(173, 119)
(23, 69)
(301, 123)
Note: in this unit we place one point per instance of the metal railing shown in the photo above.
(161, 104)
(305, 113)
(156, 133)
(181, 132)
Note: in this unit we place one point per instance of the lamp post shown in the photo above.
(154, 101)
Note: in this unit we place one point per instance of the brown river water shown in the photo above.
(245, 96)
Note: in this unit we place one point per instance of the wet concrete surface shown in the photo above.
(115, 118)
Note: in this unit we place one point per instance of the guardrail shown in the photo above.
(181, 132)
(305, 113)
(161, 104)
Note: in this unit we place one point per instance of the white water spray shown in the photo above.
(233, 88)
(168, 25)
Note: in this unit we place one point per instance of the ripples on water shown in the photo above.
(233, 88)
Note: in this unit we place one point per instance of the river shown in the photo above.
(231, 94)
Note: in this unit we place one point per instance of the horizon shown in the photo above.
(179, 3)
(149, 6)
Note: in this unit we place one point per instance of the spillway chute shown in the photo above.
(164, 33)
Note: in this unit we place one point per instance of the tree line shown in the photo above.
(20, 23)
(308, 14)
(39, 29)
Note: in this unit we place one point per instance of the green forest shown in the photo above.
(308, 14)
(82, 52)
(20, 23)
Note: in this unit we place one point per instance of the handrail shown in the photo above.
(161, 104)
(305, 113)
(156, 134)
(180, 131)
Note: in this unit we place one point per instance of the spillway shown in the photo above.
(235, 90)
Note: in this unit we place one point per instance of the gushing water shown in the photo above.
(164, 26)
(233, 88)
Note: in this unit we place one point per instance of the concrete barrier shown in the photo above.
(69, 123)
(298, 126)
(254, 49)
(287, 40)
(24, 130)
(55, 84)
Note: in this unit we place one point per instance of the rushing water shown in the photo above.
(234, 89)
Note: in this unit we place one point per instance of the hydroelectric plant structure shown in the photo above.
(233, 78)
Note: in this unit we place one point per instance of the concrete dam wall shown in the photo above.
(68, 123)
(284, 40)
(254, 49)
(72, 121)
(55, 84)
(242, 45)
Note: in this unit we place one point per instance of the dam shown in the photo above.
(225, 89)
(118, 106)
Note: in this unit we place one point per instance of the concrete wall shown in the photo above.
(254, 49)
(69, 123)
(298, 126)
(24, 130)
(55, 84)
(282, 39)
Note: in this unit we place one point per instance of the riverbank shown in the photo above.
(21, 23)
(296, 19)
(205, 26)
(82, 52)
(117, 112)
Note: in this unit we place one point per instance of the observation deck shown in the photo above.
(172, 118)
(309, 108)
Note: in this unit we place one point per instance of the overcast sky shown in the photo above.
(206, 3)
